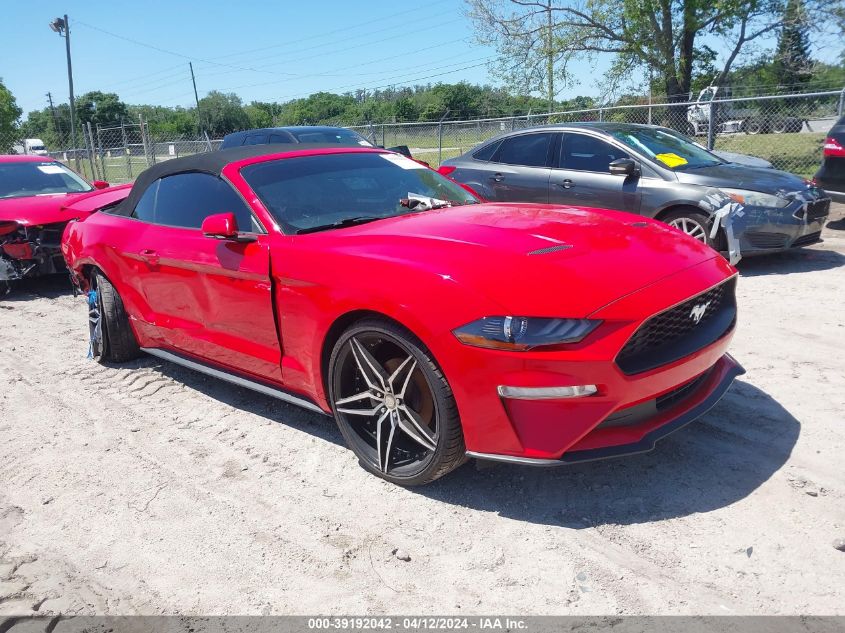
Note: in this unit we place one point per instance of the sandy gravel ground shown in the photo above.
(149, 489)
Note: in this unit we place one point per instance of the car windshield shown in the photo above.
(667, 148)
(18, 180)
(346, 137)
(321, 192)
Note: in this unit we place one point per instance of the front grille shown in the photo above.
(764, 239)
(681, 331)
(670, 399)
(814, 210)
(810, 238)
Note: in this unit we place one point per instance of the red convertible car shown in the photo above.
(358, 283)
(35, 193)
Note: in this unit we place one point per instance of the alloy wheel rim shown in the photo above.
(691, 228)
(385, 399)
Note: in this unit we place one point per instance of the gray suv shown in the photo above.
(652, 171)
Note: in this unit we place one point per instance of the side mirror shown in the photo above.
(100, 184)
(221, 226)
(623, 167)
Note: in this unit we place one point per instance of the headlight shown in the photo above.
(755, 198)
(523, 333)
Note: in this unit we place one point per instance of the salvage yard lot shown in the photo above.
(146, 488)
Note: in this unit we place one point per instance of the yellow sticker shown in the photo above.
(671, 160)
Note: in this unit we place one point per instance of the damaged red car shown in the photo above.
(435, 328)
(35, 196)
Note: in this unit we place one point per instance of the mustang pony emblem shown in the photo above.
(698, 311)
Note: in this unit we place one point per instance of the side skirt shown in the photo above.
(235, 379)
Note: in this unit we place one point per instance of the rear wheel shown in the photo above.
(693, 223)
(393, 404)
(111, 337)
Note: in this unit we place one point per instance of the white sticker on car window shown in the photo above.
(51, 169)
(403, 161)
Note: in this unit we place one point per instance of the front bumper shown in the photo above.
(767, 230)
(514, 428)
(602, 442)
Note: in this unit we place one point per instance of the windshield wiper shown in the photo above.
(360, 219)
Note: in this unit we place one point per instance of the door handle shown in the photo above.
(497, 177)
(566, 184)
(149, 256)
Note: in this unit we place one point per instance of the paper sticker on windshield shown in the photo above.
(51, 169)
(671, 160)
(403, 161)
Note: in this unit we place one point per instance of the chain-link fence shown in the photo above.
(788, 130)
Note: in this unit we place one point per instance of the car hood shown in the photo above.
(536, 260)
(743, 177)
(35, 210)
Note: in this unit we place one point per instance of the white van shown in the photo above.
(31, 146)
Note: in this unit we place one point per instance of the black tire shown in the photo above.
(753, 126)
(779, 126)
(693, 223)
(406, 462)
(117, 343)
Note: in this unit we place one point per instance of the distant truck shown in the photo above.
(730, 119)
(31, 147)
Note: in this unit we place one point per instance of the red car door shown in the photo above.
(207, 297)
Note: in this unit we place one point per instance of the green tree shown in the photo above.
(792, 63)
(222, 113)
(9, 115)
(663, 37)
(100, 108)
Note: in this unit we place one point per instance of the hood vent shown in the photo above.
(550, 249)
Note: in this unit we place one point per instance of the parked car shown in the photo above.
(311, 134)
(34, 195)
(652, 171)
(359, 283)
(831, 174)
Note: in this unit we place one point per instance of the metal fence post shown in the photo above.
(842, 102)
(440, 137)
(711, 126)
(126, 151)
(100, 153)
(383, 142)
(89, 142)
(601, 114)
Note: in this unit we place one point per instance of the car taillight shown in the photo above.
(832, 147)
(446, 169)
(8, 227)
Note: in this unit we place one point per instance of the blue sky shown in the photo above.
(270, 51)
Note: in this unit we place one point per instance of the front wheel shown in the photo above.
(110, 335)
(393, 404)
(693, 223)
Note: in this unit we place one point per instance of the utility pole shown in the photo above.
(196, 96)
(62, 27)
(550, 57)
(199, 113)
(53, 110)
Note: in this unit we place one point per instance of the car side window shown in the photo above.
(145, 209)
(586, 153)
(255, 139)
(185, 200)
(529, 150)
(486, 153)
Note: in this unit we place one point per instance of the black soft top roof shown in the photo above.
(213, 163)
